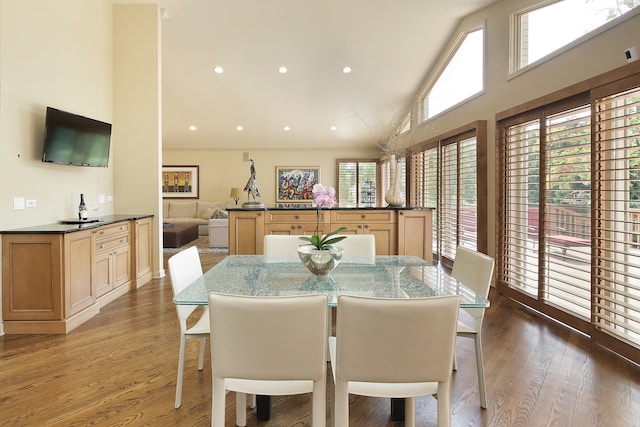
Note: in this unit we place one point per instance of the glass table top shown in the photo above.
(380, 277)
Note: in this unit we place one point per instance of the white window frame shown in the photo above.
(452, 53)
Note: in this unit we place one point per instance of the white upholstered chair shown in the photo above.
(276, 244)
(475, 270)
(268, 346)
(359, 244)
(405, 353)
(184, 268)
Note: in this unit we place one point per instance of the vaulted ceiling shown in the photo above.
(388, 44)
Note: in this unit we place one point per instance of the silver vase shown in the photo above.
(320, 261)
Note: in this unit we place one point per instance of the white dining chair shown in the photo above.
(475, 270)
(394, 348)
(285, 244)
(184, 269)
(268, 346)
(359, 245)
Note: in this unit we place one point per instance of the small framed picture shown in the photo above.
(294, 184)
(180, 182)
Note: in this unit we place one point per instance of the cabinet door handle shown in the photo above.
(366, 226)
(293, 227)
(400, 213)
(296, 216)
(359, 226)
(363, 216)
(102, 246)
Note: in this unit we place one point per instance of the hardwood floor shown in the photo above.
(119, 369)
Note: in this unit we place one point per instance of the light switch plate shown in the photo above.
(18, 203)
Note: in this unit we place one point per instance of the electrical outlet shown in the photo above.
(31, 203)
(109, 198)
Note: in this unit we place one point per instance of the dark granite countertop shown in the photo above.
(62, 228)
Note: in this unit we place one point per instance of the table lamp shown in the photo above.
(235, 194)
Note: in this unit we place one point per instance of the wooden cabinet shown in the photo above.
(246, 232)
(296, 222)
(380, 223)
(47, 282)
(56, 278)
(113, 257)
(143, 244)
(397, 232)
(415, 233)
(79, 283)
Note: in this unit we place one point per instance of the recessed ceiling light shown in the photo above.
(287, 128)
(346, 70)
(333, 128)
(239, 128)
(192, 127)
(218, 69)
(282, 69)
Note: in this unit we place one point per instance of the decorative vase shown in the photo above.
(320, 261)
(394, 197)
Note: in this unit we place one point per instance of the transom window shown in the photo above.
(460, 79)
(548, 27)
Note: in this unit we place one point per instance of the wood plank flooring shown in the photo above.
(119, 369)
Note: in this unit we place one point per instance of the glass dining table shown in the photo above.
(393, 276)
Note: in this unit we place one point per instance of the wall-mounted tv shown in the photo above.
(70, 139)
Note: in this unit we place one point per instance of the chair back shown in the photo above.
(395, 340)
(184, 269)
(474, 269)
(269, 338)
(359, 244)
(276, 244)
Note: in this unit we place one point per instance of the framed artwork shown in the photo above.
(295, 184)
(180, 182)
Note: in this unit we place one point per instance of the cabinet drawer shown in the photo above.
(362, 216)
(293, 217)
(110, 230)
(108, 244)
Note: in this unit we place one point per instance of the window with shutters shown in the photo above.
(447, 173)
(569, 214)
(357, 182)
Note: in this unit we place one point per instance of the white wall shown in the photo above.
(138, 114)
(220, 170)
(55, 54)
(58, 55)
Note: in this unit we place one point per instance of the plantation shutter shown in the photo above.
(357, 182)
(616, 299)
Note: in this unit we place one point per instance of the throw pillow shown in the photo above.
(208, 213)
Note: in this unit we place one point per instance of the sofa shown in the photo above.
(205, 214)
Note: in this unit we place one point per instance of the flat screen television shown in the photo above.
(70, 139)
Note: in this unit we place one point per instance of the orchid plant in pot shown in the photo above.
(320, 256)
